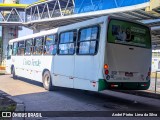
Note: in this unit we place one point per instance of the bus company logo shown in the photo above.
(6, 114)
(21, 115)
(31, 62)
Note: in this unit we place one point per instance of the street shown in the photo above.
(91, 45)
(36, 98)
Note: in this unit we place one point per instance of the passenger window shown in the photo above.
(67, 43)
(21, 48)
(29, 47)
(50, 45)
(88, 41)
(15, 48)
(38, 45)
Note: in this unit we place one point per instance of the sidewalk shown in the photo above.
(135, 98)
(150, 93)
(143, 93)
(152, 86)
(2, 72)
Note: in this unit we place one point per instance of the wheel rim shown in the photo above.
(46, 80)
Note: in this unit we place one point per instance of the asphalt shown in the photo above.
(36, 98)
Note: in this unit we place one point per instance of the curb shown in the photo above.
(20, 107)
(142, 93)
(2, 72)
(134, 98)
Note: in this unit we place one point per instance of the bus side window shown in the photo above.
(21, 48)
(88, 41)
(38, 48)
(15, 48)
(67, 43)
(50, 45)
(29, 47)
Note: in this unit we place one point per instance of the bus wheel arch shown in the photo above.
(47, 80)
(44, 71)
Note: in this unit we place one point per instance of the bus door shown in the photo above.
(64, 61)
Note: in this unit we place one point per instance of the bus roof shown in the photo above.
(63, 28)
(42, 33)
(69, 27)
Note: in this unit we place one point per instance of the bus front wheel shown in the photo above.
(47, 81)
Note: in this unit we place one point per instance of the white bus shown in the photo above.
(97, 54)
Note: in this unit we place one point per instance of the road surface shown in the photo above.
(36, 98)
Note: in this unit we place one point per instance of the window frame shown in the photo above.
(34, 45)
(13, 49)
(56, 43)
(74, 41)
(30, 46)
(96, 40)
(21, 48)
(123, 20)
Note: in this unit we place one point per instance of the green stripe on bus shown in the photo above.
(102, 85)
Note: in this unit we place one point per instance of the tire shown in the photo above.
(14, 73)
(47, 81)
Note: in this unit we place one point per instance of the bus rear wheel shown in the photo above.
(47, 81)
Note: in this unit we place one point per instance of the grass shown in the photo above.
(7, 104)
(10, 108)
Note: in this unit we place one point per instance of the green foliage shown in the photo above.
(10, 108)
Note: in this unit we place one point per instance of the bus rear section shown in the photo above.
(128, 55)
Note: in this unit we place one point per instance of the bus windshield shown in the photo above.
(129, 33)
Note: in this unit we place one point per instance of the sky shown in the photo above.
(25, 1)
(25, 32)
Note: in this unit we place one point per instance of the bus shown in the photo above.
(96, 54)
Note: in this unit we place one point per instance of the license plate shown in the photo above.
(129, 74)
